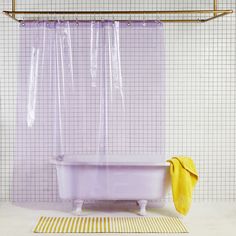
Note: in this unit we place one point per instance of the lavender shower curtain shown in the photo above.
(86, 87)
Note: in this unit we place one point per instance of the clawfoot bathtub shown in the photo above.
(91, 178)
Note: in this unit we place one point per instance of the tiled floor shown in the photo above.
(208, 219)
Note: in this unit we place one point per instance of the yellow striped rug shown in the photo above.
(110, 225)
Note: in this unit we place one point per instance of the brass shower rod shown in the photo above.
(215, 13)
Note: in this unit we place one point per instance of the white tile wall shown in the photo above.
(201, 75)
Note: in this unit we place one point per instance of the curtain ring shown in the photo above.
(129, 17)
(144, 22)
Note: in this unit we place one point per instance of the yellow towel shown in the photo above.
(183, 180)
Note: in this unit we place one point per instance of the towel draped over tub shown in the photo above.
(184, 177)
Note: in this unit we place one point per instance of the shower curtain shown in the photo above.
(93, 87)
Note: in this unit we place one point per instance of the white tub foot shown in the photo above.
(78, 207)
(142, 204)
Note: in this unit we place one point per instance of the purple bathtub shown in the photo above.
(90, 177)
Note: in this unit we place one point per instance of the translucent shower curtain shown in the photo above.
(86, 87)
(54, 55)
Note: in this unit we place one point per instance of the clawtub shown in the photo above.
(90, 177)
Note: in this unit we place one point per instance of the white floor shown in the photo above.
(204, 218)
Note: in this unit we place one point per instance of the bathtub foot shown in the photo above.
(78, 207)
(142, 204)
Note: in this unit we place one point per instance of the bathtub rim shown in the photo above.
(74, 162)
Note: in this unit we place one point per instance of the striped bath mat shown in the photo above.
(109, 225)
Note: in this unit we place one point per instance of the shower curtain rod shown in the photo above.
(216, 13)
